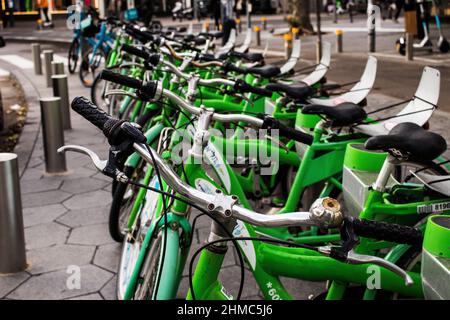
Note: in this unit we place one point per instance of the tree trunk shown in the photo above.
(301, 10)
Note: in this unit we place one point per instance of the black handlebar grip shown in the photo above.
(288, 132)
(387, 231)
(120, 79)
(261, 91)
(231, 67)
(243, 87)
(95, 115)
(135, 51)
(139, 35)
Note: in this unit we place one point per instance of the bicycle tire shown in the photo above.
(72, 59)
(87, 72)
(118, 205)
(169, 281)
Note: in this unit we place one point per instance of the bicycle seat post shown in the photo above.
(385, 172)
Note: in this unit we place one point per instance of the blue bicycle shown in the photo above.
(94, 58)
(84, 35)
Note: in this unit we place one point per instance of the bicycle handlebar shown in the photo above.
(151, 89)
(243, 86)
(120, 79)
(381, 230)
(285, 131)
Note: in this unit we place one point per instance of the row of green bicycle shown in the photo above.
(293, 172)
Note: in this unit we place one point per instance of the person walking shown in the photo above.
(10, 5)
(399, 4)
(43, 9)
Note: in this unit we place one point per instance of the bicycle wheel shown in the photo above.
(98, 90)
(124, 196)
(91, 64)
(160, 263)
(73, 55)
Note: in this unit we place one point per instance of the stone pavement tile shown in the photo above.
(96, 234)
(11, 281)
(93, 296)
(84, 217)
(101, 176)
(45, 235)
(76, 173)
(44, 209)
(257, 297)
(32, 174)
(108, 292)
(107, 256)
(82, 185)
(32, 186)
(183, 288)
(35, 161)
(230, 278)
(59, 257)
(41, 215)
(44, 198)
(301, 289)
(88, 200)
(74, 160)
(53, 285)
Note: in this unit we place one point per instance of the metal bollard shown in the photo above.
(372, 37)
(57, 68)
(409, 47)
(339, 42)
(287, 45)
(12, 238)
(264, 23)
(2, 115)
(61, 89)
(37, 61)
(48, 58)
(257, 30)
(53, 134)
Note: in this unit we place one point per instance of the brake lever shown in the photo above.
(356, 258)
(99, 164)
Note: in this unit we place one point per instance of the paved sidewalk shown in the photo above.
(65, 216)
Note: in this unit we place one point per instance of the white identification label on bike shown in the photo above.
(433, 208)
(247, 246)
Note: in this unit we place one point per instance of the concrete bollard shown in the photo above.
(339, 41)
(53, 134)
(409, 47)
(61, 89)
(48, 58)
(264, 23)
(37, 61)
(12, 238)
(257, 31)
(287, 45)
(57, 68)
